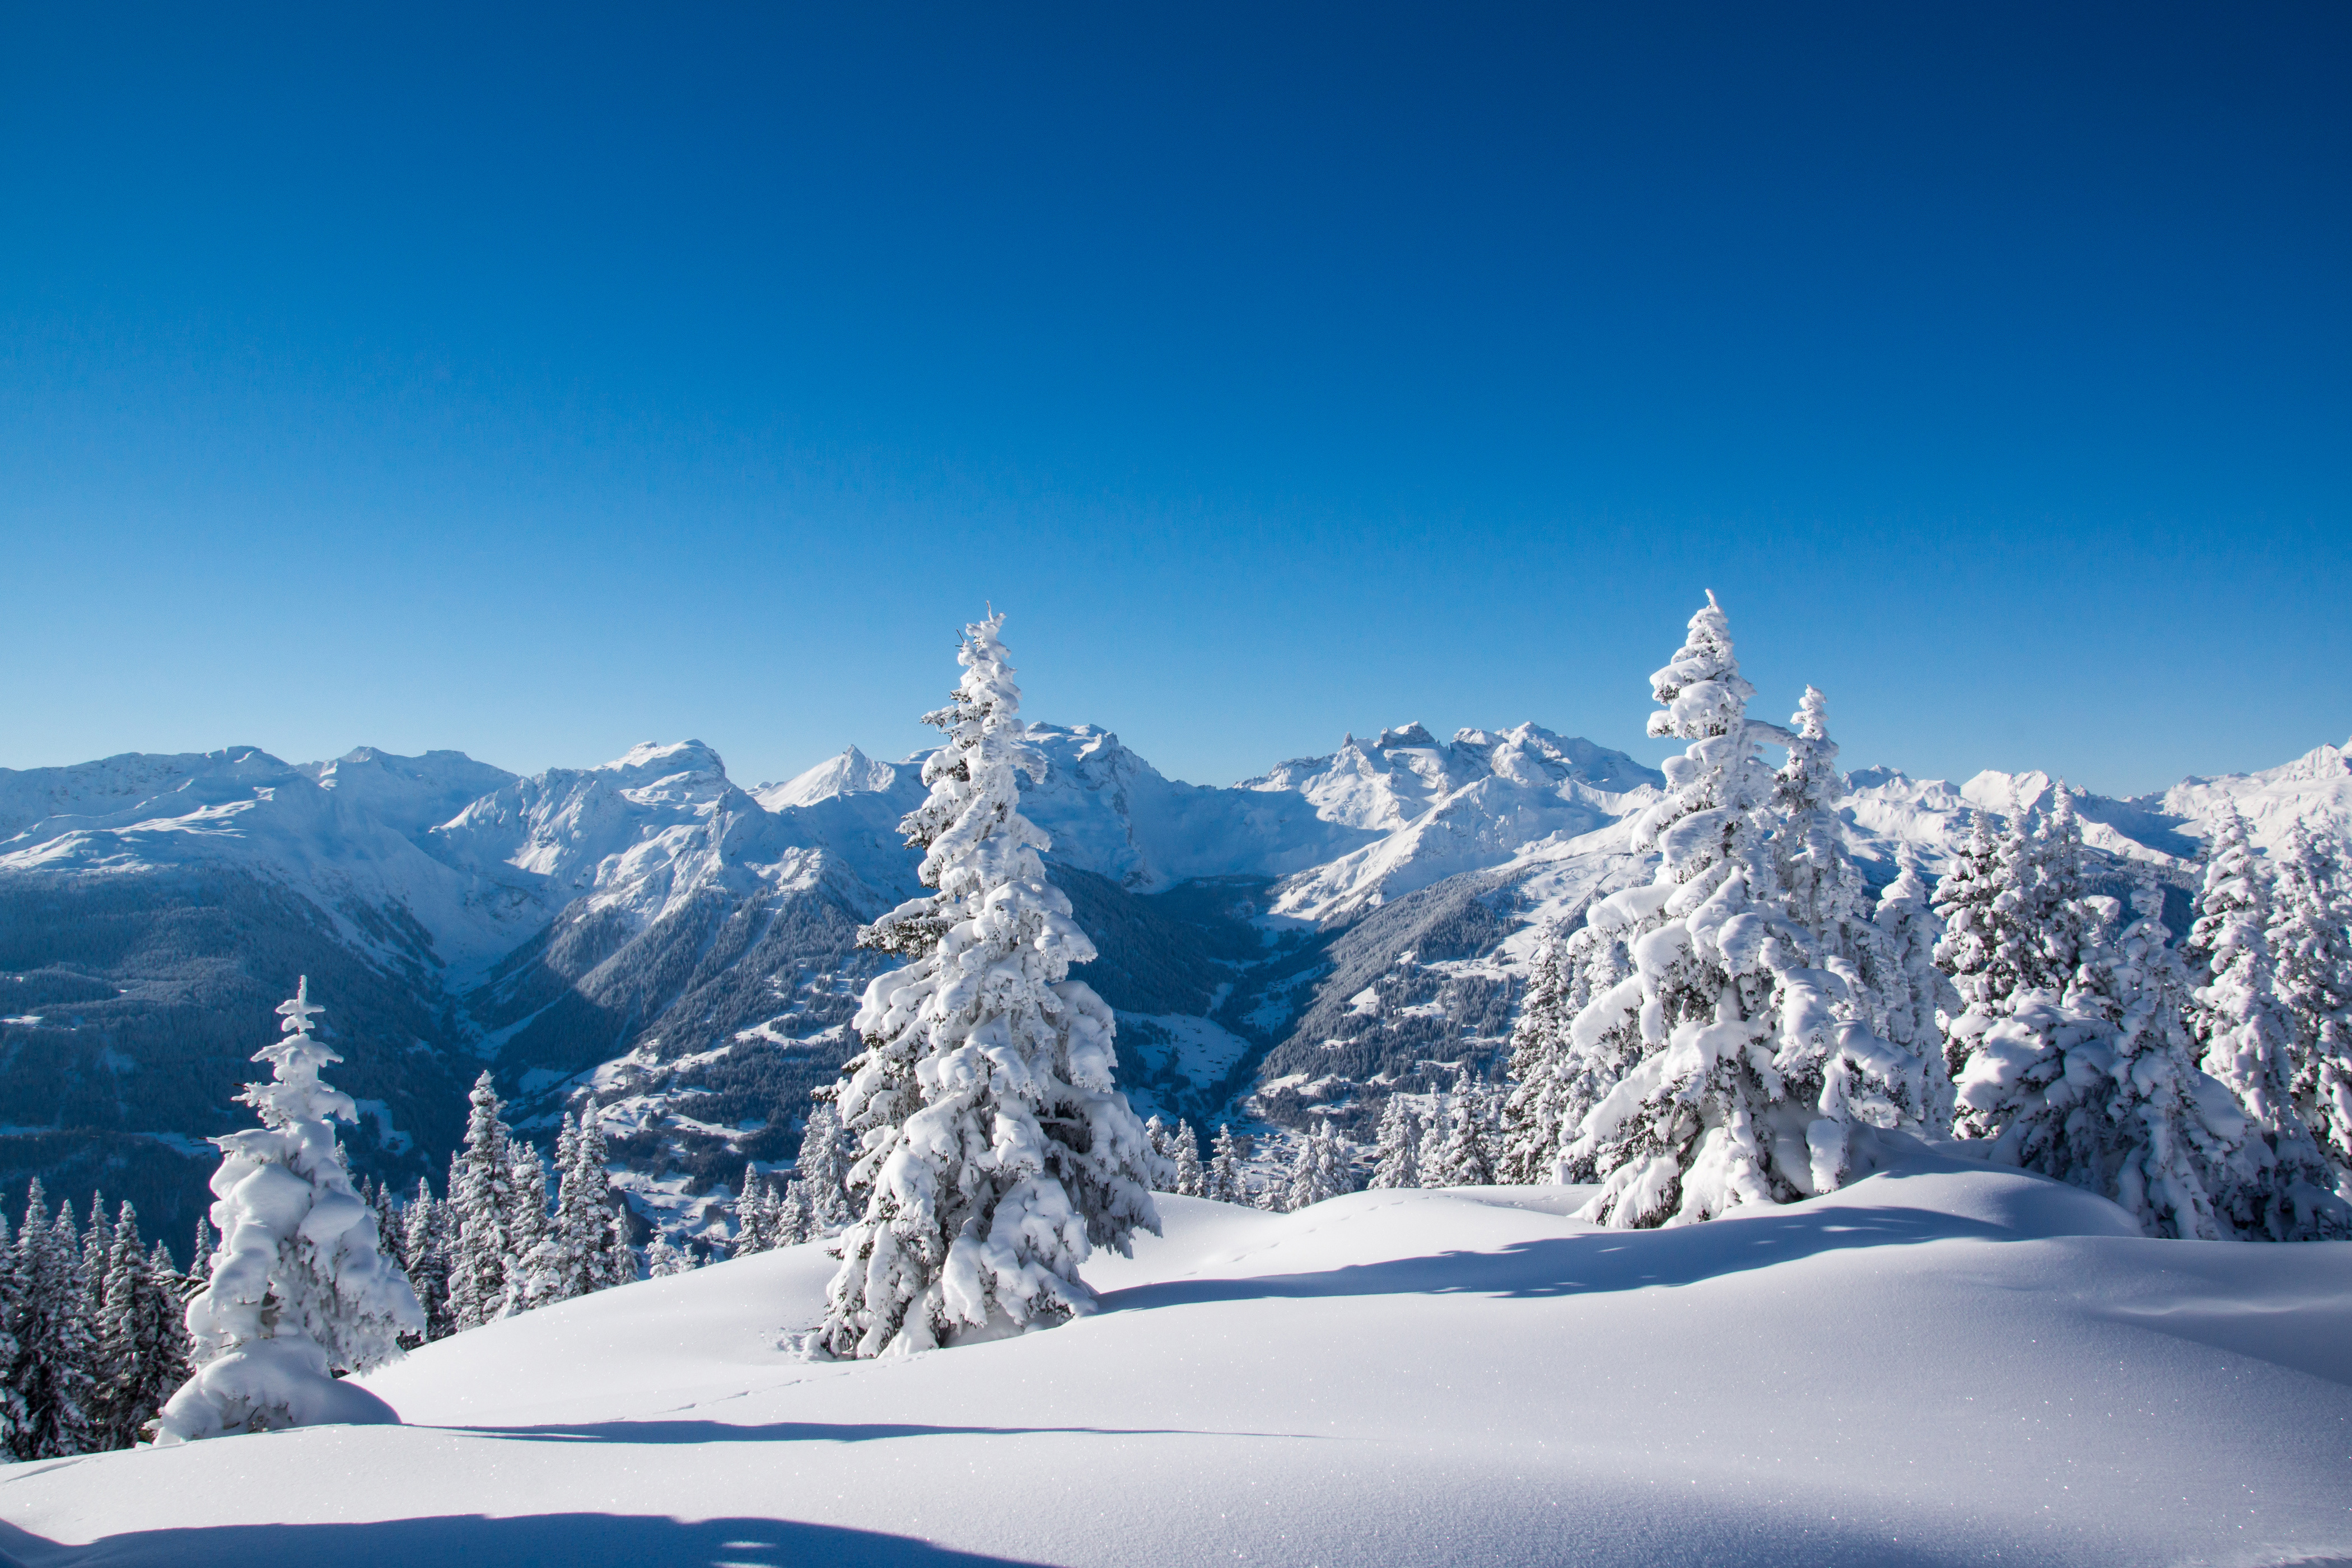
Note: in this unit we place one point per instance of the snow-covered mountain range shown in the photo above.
(1300, 942)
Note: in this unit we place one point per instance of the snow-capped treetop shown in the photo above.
(971, 829)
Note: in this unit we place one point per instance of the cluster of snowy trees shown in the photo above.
(1456, 1145)
(810, 1206)
(103, 1343)
(91, 1337)
(499, 1242)
(2202, 1087)
(1727, 1033)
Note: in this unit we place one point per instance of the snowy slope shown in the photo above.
(1935, 1366)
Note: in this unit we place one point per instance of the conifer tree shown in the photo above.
(299, 1288)
(425, 1242)
(1757, 1059)
(996, 1151)
(1465, 1159)
(1188, 1161)
(97, 1248)
(1225, 1178)
(388, 1223)
(2246, 1038)
(200, 1256)
(143, 1339)
(821, 1171)
(56, 1348)
(1918, 998)
(617, 1264)
(1534, 1113)
(1968, 905)
(1164, 1154)
(2311, 942)
(15, 1431)
(481, 1200)
(665, 1258)
(1318, 1170)
(1397, 1155)
(530, 1266)
(794, 1222)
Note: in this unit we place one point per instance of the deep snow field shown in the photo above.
(1940, 1364)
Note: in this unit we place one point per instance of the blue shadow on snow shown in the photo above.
(1585, 1264)
(541, 1540)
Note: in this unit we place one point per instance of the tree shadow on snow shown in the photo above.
(1587, 1265)
(806, 1432)
(541, 1540)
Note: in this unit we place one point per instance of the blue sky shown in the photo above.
(535, 383)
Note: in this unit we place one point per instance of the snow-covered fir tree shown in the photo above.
(1967, 904)
(1189, 1179)
(1320, 1169)
(13, 1365)
(1757, 1058)
(142, 1337)
(57, 1352)
(424, 1244)
(756, 1212)
(2246, 1039)
(2098, 1086)
(996, 1153)
(1466, 1157)
(1535, 1112)
(299, 1289)
(530, 1267)
(665, 1258)
(1818, 885)
(200, 1255)
(481, 1200)
(2311, 944)
(1224, 1182)
(794, 1222)
(1918, 996)
(1396, 1153)
(821, 1172)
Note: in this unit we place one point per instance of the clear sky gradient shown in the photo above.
(538, 383)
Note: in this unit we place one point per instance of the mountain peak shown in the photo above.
(850, 772)
(656, 759)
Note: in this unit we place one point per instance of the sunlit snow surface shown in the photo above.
(1936, 1366)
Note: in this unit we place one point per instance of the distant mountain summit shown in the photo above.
(1303, 943)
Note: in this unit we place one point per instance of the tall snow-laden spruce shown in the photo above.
(1397, 1153)
(995, 1151)
(2246, 1037)
(1224, 1182)
(1918, 997)
(1535, 1117)
(2311, 944)
(57, 1352)
(142, 1337)
(300, 1289)
(480, 1207)
(1756, 1058)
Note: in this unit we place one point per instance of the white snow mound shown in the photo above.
(1940, 1363)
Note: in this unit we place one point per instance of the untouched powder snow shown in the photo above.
(1940, 1364)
